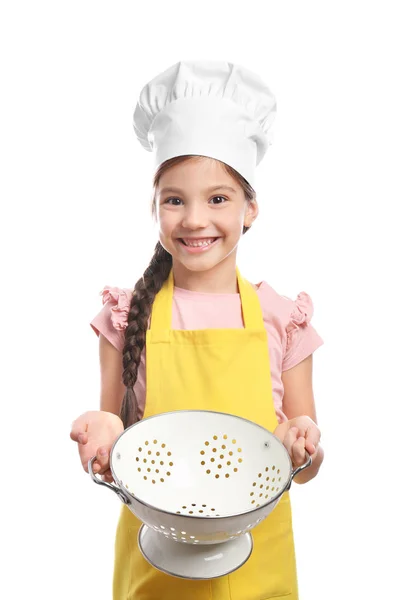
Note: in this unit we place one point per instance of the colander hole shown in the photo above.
(223, 446)
(215, 438)
(251, 494)
(214, 449)
(156, 470)
(196, 542)
(227, 475)
(200, 511)
(279, 478)
(273, 489)
(267, 469)
(278, 471)
(273, 479)
(257, 505)
(217, 476)
(145, 460)
(145, 478)
(163, 445)
(213, 460)
(203, 462)
(202, 452)
(253, 502)
(162, 480)
(140, 449)
(273, 468)
(170, 464)
(192, 537)
(157, 453)
(184, 506)
(220, 466)
(204, 505)
(208, 471)
(161, 527)
(172, 529)
(190, 512)
(240, 460)
(153, 481)
(183, 532)
(260, 495)
(161, 462)
(168, 453)
(228, 463)
(254, 484)
(149, 452)
(261, 486)
(139, 469)
(234, 441)
(194, 505)
(235, 470)
(207, 443)
(148, 469)
(230, 453)
(267, 479)
(137, 458)
(221, 456)
(213, 509)
(239, 450)
(225, 436)
(267, 487)
(267, 496)
(178, 512)
(168, 473)
(146, 443)
(259, 474)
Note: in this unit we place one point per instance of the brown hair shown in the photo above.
(145, 291)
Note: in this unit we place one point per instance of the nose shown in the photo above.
(195, 216)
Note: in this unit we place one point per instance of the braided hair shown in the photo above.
(144, 294)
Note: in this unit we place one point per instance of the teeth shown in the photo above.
(198, 244)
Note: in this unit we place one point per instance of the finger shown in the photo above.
(102, 455)
(79, 436)
(290, 439)
(313, 436)
(107, 477)
(298, 451)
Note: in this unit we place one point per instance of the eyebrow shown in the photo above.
(210, 189)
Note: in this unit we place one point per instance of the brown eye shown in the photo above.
(170, 201)
(217, 198)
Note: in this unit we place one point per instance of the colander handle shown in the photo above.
(115, 489)
(298, 469)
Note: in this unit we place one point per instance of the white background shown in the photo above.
(75, 193)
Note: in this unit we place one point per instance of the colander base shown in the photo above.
(194, 562)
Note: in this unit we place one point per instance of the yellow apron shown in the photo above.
(225, 370)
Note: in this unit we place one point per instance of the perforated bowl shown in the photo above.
(199, 477)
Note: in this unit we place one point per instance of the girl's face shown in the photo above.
(200, 226)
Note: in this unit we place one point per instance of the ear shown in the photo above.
(251, 212)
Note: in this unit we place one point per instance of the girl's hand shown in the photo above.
(297, 435)
(95, 432)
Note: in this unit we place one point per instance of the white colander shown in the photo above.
(199, 481)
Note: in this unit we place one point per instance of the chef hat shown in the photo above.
(207, 107)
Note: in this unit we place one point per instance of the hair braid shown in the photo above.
(141, 303)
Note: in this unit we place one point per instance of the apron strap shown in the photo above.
(162, 309)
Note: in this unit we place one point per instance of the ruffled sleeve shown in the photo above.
(112, 319)
(301, 337)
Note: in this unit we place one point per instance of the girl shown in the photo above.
(208, 123)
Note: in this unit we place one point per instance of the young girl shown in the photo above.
(208, 123)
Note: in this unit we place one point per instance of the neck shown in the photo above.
(221, 279)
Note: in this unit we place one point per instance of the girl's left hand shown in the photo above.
(297, 435)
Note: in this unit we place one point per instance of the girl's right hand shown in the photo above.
(95, 432)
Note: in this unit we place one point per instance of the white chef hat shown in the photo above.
(207, 107)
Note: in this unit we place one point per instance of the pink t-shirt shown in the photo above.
(291, 337)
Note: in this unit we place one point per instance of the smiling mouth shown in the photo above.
(198, 242)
